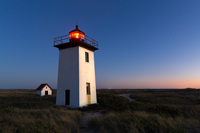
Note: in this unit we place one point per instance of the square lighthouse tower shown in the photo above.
(76, 86)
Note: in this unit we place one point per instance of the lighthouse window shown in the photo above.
(88, 88)
(86, 56)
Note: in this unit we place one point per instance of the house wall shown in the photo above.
(46, 88)
(68, 76)
(39, 92)
(86, 75)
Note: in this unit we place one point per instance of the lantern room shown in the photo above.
(76, 35)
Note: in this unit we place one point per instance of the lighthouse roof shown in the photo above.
(76, 30)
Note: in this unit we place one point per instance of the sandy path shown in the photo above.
(84, 125)
(127, 95)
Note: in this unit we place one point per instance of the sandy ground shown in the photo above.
(84, 122)
(127, 95)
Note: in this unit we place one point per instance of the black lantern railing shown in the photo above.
(65, 39)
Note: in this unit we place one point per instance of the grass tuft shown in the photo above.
(25, 112)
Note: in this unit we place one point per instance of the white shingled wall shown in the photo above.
(73, 74)
(86, 75)
(68, 76)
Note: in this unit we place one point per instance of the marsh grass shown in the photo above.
(136, 122)
(22, 111)
(157, 111)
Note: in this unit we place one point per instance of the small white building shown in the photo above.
(44, 89)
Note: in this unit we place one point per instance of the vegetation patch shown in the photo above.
(25, 112)
(160, 111)
(154, 111)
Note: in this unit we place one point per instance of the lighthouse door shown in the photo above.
(67, 96)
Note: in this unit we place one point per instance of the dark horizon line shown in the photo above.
(125, 88)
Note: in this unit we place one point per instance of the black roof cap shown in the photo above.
(42, 86)
(77, 30)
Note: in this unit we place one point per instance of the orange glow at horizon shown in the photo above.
(154, 83)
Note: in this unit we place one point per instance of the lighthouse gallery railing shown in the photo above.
(65, 39)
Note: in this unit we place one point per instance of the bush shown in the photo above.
(113, 102)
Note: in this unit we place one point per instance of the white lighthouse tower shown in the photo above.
(76, 86)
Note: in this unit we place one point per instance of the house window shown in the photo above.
(88, 88)
(86, 56)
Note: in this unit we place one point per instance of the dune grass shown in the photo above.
(159, 111)
(139, 122)
(22, 111)
(153, 111)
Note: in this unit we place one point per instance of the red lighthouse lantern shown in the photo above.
(76, 35)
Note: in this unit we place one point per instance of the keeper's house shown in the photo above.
(44, 89)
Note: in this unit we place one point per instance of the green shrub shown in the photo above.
(113, 102)
(138, 105)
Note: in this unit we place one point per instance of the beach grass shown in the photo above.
(23, 111)
(159, 111)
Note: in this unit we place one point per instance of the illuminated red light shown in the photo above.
(76, 35)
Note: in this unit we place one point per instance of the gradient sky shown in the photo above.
(142, 43)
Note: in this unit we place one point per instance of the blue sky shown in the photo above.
(142, 43)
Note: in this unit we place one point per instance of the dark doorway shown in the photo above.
(46, 92)
(88, 88)
(67, 96)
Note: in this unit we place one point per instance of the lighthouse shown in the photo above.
(76, 84)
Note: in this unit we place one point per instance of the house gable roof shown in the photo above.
(42, 86)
